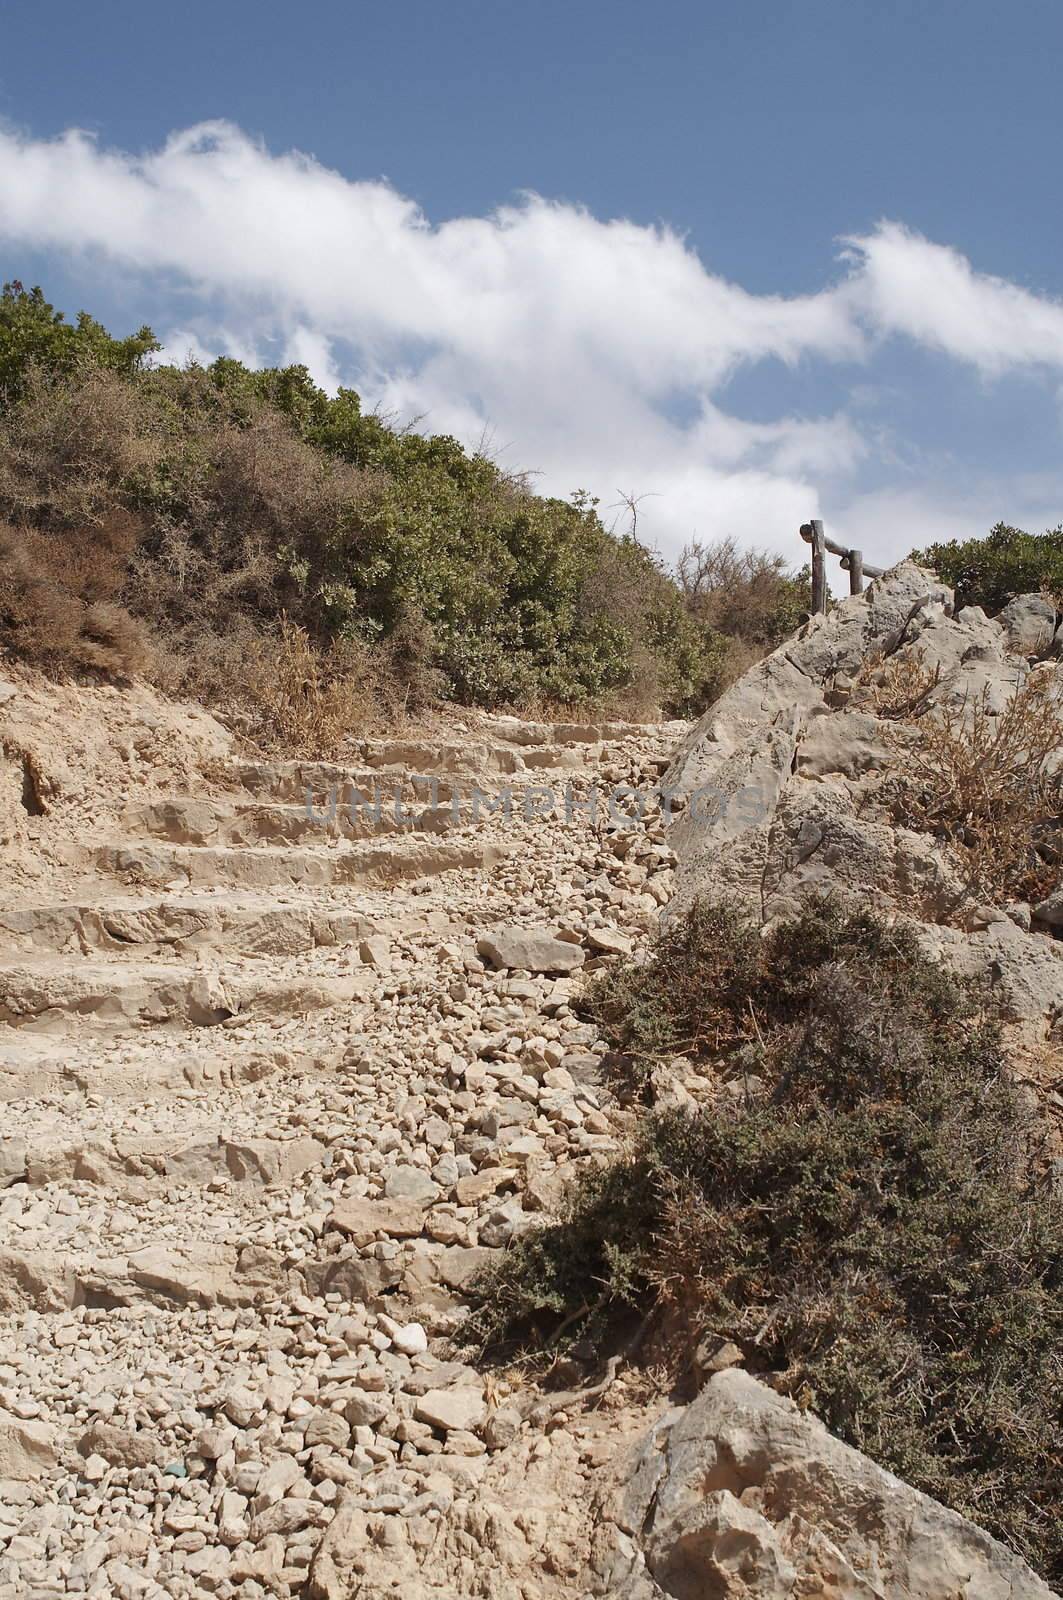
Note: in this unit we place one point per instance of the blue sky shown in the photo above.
(607, 236)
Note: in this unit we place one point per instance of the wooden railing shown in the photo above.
(852, 561)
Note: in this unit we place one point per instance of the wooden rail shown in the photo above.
(852, 561)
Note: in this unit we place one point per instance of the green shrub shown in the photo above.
(867, 1224)
(33, 334)
(692, 999)
(991, 571)
(263, 498)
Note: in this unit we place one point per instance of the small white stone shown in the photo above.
(94, 1469)
(410, 1339)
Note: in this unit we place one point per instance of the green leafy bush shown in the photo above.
(34, 334)
(865, 1220)
(989, 572)
(267, 505)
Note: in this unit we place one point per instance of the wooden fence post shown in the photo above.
(819, 569)
(852, 562)
(856, 572)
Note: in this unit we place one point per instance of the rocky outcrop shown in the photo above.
(782, 780)
(782, 789)
(742, 1494)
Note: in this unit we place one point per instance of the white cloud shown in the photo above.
(188, 344)
(569, 336)
(903, 283)
(888, 523)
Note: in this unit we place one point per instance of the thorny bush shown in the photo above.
(867, 1220)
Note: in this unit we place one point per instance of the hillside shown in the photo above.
(242, 538)
(322, 1109)
(470, 1127)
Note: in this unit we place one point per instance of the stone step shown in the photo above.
(122, 1158)
(246, 924)
(368, 864)
(505, 736)
(349, 814)
(392, 766)
(54, 993)
(293, 780)
(468, 758)
(140, 1066)
(527, 735)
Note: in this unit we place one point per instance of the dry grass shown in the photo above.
(303, 699)
(898, 689)
(988, 783)
(290, 695)
(989, 786)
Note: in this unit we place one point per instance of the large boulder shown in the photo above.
(1030, 620)
(192, 1274)
(529, 950)
(796, 678)
(121, 1447)
(27, 1449)
(741, 1494)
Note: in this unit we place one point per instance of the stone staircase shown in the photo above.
(132, 959)
(252, 1059)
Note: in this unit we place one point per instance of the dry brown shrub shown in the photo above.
(267, 478)
(739, 656)
(639, 700)
(200, 591)
(278, 689)
(66, 449)
(257, 512)
(287, 693)
(303, 699)
(291, 695)
(750, 595)
(988, 784)
(59, 597)
(405, 681)
(899, 688)
(864, 1225)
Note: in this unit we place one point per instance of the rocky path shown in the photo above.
(276, 1082)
